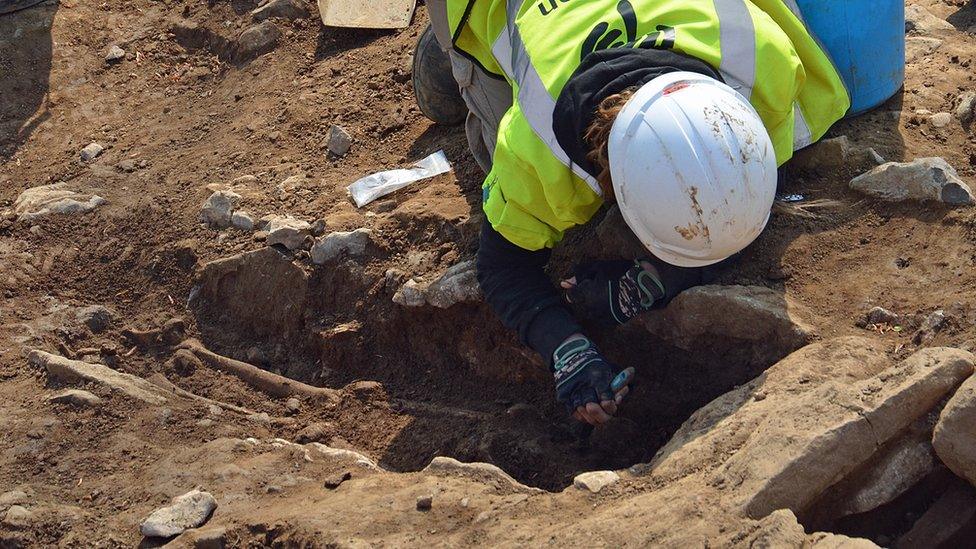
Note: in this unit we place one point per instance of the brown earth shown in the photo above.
(195, 116)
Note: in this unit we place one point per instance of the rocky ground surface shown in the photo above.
(204, 342)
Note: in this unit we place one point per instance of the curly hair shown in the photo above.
(598, 134)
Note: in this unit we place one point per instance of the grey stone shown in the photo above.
(411, 294)
(218, 210)
(935, 321)
(966, 107)
(187, 511)
(917, 48)
(920, 20)
(833, 153)
(293, 406)
(932, 325)
(256, 40)
(115, 54)
(594, 481)
(900, 465)
(424, 503)
(351, 243)
(922, 179)
(285, 9)
(318, 227)
(91, 151)
(242, 220)
(954, 438)
(96, 317)
(76, 397)
(287, 231)
(57, 198)
(70, 371)
(339, 140)
(940, 120)
(768, 323)
(459, 284)
(880, 315)
(18, 517)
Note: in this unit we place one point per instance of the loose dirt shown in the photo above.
(183, 115)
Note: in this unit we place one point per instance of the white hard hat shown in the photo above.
(693, 169)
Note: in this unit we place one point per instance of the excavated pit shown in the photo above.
(423, 382)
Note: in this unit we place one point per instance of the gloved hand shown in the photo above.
(613, 292)
(590, 387)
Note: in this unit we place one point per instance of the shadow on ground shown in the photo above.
(25, 68)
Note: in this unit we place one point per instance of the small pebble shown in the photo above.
(115, 54)
(293, 406)
(424, 503)
(91, 151)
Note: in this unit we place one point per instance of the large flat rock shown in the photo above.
(814, 418)
(755, 320)
(825, 434)
(954, 438)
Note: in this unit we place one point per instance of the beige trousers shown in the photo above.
(487, 98)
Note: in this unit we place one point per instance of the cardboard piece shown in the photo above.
(367, 14)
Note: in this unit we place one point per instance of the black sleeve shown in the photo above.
(516, 286)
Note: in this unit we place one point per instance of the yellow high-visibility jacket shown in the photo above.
(761, 48)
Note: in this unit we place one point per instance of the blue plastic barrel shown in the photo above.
(866, 40)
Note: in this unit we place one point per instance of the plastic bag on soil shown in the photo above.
(373, 186)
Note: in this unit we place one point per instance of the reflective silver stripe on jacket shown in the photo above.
(538, 106)
(737, 39)
(801, 131)
(737, 36)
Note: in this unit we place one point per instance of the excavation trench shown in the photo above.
(423, 382)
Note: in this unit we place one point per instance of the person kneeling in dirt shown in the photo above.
(679, 111)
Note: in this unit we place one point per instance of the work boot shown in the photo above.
(434, 86)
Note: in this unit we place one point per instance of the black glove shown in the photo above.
(613, 292)
(582, 374)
